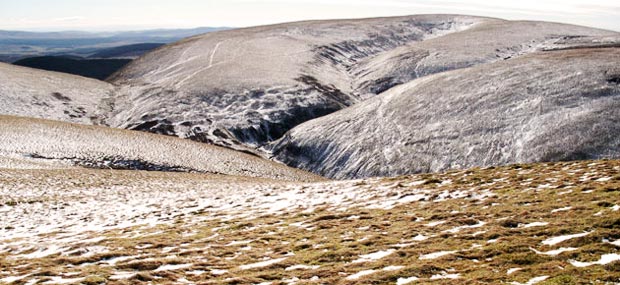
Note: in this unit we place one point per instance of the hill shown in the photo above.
(551, 223)
(92, 68)
(247, 89)
(547, 106)
(250, 86)
(51, 95)
(36, 141)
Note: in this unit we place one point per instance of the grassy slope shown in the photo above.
(479, 214)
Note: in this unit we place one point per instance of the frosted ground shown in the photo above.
(522, 224)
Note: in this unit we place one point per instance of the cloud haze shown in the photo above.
(138, 14)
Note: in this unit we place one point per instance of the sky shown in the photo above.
(115, 15)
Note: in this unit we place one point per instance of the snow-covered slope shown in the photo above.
(28, 143)
(52, 95)
(245, 88)
(547, 106)
(485, 43)
(250, 86)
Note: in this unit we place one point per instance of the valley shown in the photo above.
(423, 149)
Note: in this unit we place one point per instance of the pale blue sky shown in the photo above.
(44, 15)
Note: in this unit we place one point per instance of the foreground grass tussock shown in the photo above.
(556, 223)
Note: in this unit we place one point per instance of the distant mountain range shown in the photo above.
(155, 33)
(16, 45)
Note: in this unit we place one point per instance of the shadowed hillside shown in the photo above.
(128, 51)
(92, 68)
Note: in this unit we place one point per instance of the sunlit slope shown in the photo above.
(548, 106)
(52, 95)
(249, 86)
(35, 141)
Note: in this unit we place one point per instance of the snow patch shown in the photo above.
(534, 224)
(301, 267)
(122, 275)
(531, 281)
(434, 224)
(361, 274)
(605, 259)
(373, 256)
(170, 267)
(559, 239)
(561, 209)
(555, 251)
(241, 242)
(60, 280)
(407, 280)
(219, 271)
(12, 279)
(262, 263)
(445, 275)
(616, 242)
(420, 237)
(393, 268)
(438, 254)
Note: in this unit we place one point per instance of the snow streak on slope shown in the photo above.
(547, 106)
(250, 86)
(485, 43)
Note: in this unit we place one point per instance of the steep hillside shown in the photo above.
(523, 224)
(547, 106)
(478, 45)
(250, 86)
(51, 95)
(92, 68)
(33, 141)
